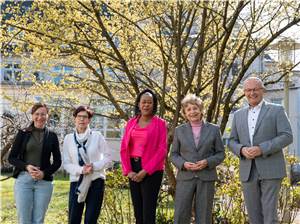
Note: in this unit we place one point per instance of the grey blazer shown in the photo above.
(210, 147)
(272, 133)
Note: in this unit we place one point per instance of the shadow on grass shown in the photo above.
(5, 176)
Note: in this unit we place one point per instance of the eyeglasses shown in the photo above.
(82, 117)
(252, 90)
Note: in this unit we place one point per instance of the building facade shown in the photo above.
(15, 88)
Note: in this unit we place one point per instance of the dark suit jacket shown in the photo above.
(272, 133)
(210, 147)
(50, 147)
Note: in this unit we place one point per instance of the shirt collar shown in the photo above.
(197, 124)
(257, 107)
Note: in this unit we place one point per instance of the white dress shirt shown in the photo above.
(253, 113)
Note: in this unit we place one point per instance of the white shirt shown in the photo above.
(97, 151)
(253, 113)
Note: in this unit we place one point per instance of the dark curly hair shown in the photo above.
(83, 108)
(138, 99)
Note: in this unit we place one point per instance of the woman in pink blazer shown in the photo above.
(143, 153)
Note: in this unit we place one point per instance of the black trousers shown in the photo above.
(93, 203)
(144, 195)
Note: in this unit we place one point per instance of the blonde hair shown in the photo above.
(191, 99)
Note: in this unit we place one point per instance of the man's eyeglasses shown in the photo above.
(252, 90)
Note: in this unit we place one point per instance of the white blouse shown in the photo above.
(97, 150)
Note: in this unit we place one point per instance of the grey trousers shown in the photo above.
(261, 198)
(197, 191)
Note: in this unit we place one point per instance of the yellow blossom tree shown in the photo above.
(116, 48)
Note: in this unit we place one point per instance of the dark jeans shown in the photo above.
(93, 203)
(144, 195)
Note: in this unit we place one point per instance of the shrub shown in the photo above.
(229, 206)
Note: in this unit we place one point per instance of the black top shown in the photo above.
(50, 147)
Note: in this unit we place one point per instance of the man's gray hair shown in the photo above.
(255, 78)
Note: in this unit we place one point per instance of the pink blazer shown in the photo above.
(155, 151)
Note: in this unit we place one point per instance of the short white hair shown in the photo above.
(254, 78)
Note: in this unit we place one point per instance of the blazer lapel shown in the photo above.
(190, 136)
(203, 135)
(264, 109)
(244, 122)
(128, 133)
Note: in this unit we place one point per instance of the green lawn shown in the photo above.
(116, 206)
(57, 211)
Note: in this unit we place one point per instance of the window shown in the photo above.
(7, 75)
(67, 70)
(235, 68)
(57, 79)
(62, 69)
(10, 48)
(38, 76)
(59, 72)
(56, 69)
(12, 72)
(108, 127)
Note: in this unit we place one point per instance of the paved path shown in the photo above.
(297, 220)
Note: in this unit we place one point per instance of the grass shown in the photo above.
(58, 208)
(116, 208)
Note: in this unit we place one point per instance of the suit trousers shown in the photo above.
(201, 193)
(144, 194)
(261, 198)
(93, 203)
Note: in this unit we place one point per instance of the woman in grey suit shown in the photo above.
(196, 151)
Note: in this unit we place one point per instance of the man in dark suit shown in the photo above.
(259, 133)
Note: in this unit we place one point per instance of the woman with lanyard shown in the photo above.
(143, 153)
(31, 155)
(85, 157)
